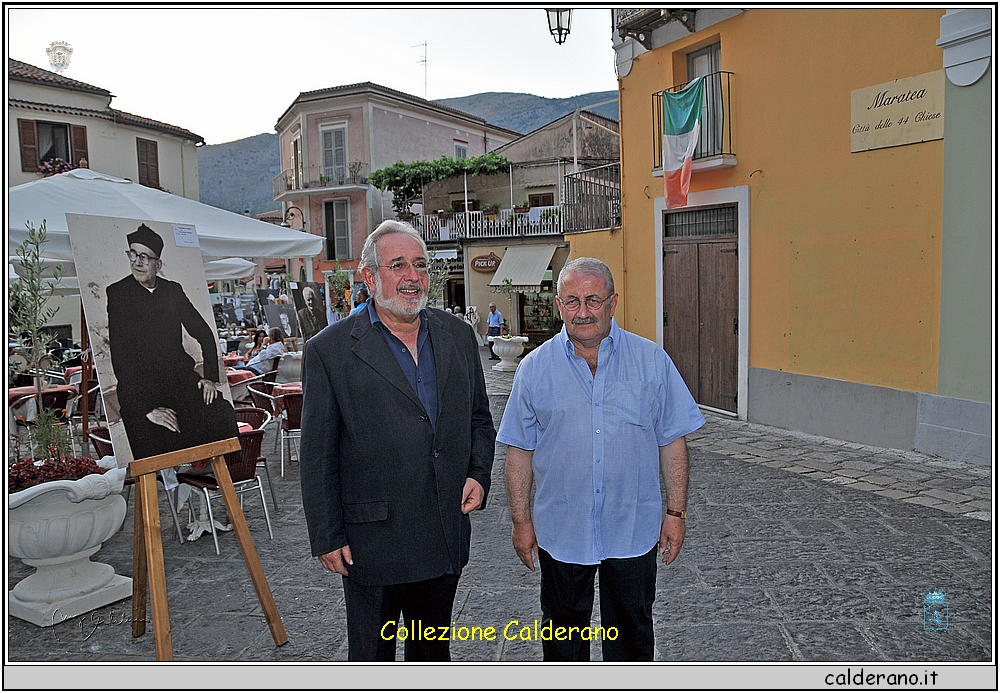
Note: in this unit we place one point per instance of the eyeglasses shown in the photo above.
(140, 258)
(593, 302)
(401, 268)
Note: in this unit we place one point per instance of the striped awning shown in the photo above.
(524, 266)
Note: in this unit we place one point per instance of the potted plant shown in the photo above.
(60, 510)
(522, 208)
(508, 347)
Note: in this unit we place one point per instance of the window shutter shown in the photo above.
(340, 153)
(78, 144)
(28, 137)
(149, 168)
(341, 229)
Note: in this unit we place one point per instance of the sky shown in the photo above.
(229, 73)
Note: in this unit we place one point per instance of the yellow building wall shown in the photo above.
(606, 246)
(845, 249)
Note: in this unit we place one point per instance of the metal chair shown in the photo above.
(259, 419)
(242, 467)
(240, 391)
(291, 423)
(260, 394)
(100, 436)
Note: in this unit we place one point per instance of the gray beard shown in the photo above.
(396, 304)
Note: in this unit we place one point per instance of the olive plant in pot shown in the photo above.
(60, 509)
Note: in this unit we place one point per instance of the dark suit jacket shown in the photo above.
(375, 475)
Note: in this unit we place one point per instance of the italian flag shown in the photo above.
(681, 127)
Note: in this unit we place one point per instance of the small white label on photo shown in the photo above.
(185, 236)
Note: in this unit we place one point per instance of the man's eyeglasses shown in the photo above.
(401, 268)
(593, 302)
(140, 258)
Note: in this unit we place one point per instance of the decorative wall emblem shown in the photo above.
(59, 53)
(486, 263)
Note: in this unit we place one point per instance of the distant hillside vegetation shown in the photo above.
(237, 175)
(526, 112)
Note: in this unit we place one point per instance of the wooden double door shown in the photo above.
(700, 316)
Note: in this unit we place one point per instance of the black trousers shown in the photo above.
(628, 586)
(493, 332)
(374, 626)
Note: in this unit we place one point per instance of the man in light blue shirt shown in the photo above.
(494, 325)
(595, 416)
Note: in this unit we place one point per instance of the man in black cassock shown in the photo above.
(165, 404)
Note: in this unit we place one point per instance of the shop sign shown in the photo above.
(904, 111)
(486, 263)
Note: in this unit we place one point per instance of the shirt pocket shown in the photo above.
(632, 401)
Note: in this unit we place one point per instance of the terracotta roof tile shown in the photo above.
(23, 72)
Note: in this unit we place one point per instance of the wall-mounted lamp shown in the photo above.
(288, 215)
(559, 21)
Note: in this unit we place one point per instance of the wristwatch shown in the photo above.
(678, 513)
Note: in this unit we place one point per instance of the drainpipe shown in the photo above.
(576, 120)
(510, 172)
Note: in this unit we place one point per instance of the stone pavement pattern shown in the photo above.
(799, 548)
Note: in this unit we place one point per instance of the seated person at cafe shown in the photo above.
(266, 359)
(257, 343)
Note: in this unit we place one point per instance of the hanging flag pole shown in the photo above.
(681, 129)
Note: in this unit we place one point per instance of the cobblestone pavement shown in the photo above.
(799, 548)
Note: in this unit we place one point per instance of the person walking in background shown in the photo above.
(494, 324)
(397, 448)
(595, 415)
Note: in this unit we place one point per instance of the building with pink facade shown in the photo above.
(332, 139)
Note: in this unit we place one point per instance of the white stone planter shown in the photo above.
(55, 527)
(508, 349)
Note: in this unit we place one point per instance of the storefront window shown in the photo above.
(539, 318)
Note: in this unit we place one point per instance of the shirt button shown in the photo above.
(598, 490)
(598, 430)
(418, 380)
(423, 418)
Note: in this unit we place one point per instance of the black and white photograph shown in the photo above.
(151, 326)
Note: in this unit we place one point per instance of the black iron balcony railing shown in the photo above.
(593, 199)
(716, 137)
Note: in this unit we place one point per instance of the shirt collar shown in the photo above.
(611, 340)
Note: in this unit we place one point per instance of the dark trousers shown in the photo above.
(628, 586)
(493, 332)
(423, 604)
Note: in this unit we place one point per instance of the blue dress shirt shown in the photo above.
(596, 441)
(422, 374)
(494, 319)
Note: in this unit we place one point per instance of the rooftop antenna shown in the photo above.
(423, 61)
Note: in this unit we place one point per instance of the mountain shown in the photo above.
(527, 112)
(237, 175)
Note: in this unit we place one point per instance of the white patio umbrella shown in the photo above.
(221, 234)
(69, 284)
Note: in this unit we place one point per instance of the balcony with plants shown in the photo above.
(321, 179)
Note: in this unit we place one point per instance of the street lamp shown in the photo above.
(559, 21)
(288, 214)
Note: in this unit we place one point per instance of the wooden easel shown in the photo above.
(147, 554)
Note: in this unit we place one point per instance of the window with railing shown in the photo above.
(334, 154)
(336, 216)
(716, 136)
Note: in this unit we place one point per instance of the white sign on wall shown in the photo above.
(903, 111)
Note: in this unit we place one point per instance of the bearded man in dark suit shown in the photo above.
(397, 449)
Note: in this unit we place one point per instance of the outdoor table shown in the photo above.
(235, 377)
(16, 393)
(234, 360)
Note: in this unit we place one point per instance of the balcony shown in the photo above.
(715, 143)
(593, 199)
(320, 179)
(639, 23)
(452, 226)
